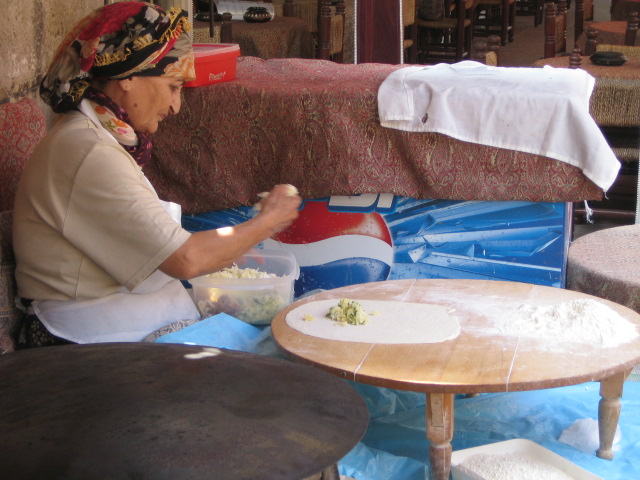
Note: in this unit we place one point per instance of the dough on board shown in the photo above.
(393, 323)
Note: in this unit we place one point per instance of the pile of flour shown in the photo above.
(581, 321)
(510, 466)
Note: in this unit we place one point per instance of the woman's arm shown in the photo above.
(211, 250)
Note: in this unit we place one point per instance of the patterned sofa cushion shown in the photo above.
(22, 126)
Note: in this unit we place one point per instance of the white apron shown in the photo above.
(120, 317)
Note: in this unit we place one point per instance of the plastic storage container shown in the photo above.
(253, 300)
(214, 63)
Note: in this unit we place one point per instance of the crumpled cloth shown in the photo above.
(544, 111)
(584, 435)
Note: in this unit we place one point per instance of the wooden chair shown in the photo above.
(326, 21)
(410, 31)
(630, 36)
(625, 143)
(583, 11)
(220, 29)
(620, 10)
(623, 140)
(307, 10)
(447, 39)
(495, 16)
(487, 51)
(331, 30)
(555, 29)
(531, 7)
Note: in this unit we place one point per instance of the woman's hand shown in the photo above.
(280, 207)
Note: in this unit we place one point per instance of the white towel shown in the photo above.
(543, 111)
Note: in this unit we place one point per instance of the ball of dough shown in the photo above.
(291, 191)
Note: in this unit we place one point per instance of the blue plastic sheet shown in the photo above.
(365, 462)
(224, 331)
(395, 445)
(399, 438)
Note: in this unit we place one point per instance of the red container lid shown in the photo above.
(214, 63)
(201, 50)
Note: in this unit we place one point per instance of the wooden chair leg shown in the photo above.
(504, 16)
(460, 43)
(537, 19)
(512, 21)
(413, 49)
(330, 473)
(468, 40)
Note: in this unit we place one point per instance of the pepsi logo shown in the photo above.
(334, 249)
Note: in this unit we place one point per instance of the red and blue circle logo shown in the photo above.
(336, 248)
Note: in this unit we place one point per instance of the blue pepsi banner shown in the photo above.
(342, 240)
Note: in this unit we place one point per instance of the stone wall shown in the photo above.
(30, 32)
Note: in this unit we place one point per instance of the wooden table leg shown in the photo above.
(439, 433)
(609, 412)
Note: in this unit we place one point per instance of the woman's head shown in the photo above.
(125, 49)
(147, 100)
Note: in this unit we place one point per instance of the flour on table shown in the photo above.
(581, 321)
(392, 323)
(511, 466)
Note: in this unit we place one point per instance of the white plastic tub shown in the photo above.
(253, 300)
(519, 446)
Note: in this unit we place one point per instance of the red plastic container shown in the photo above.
(214, 63)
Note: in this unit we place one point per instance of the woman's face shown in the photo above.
(149, 100)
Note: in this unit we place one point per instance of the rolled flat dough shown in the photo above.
(395, 322)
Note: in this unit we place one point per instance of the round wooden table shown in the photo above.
(161, 411)
(480, 359)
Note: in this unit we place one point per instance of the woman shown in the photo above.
(98, 255)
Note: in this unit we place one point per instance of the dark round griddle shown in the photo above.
(159, 411)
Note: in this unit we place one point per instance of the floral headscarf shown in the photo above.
(118, 41)
(114, 42)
